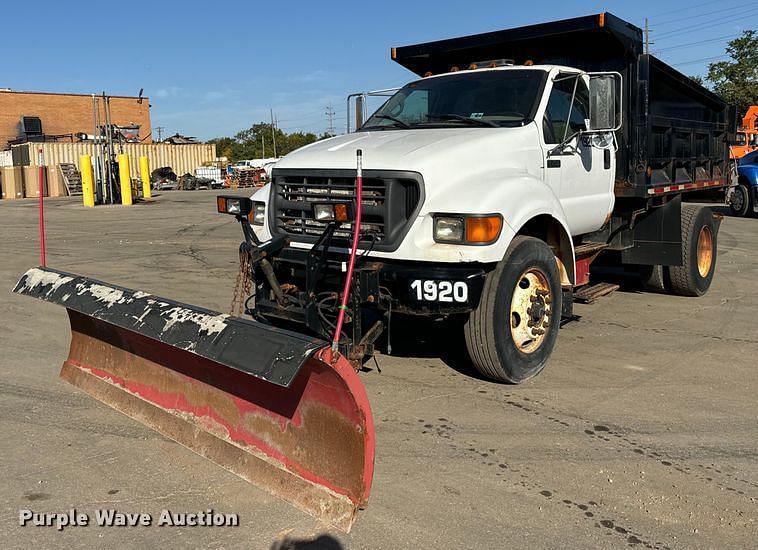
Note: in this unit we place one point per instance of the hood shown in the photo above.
(412, 150)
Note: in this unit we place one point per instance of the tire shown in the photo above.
(740, 202)
(699, 249)
(491, 331)
(653, 278)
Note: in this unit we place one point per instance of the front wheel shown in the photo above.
(740, 201)
(511, 333)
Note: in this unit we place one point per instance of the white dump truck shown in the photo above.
(493, 181)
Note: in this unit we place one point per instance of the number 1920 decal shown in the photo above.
(440, 291)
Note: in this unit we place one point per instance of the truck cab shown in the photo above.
(513, 142)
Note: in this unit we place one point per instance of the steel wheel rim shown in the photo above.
(704, 251)
(738, 199)
(531, 310)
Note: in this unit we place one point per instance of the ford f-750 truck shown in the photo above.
(490, 184)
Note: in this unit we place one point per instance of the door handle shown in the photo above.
(553, 163)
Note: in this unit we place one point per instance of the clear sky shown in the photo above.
(213, 68)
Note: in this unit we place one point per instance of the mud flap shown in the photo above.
(259, 401)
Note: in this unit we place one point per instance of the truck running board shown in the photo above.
(588, 294)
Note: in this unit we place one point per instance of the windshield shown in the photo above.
(487, 98)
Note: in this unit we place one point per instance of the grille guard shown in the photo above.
(400, 208)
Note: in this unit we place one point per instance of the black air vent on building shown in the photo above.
(31, 126)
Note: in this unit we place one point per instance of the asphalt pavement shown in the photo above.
(642, 431)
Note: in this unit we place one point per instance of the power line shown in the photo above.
(305, 127)
(710, 24)
(308, 117)
(692, 62)
(678, 19)
(689, 7)
(678, 46)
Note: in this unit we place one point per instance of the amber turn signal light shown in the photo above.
(340, 212)
(483, 230)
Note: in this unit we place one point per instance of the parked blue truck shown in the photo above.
(744, 197)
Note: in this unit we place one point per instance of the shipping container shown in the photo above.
(182, 158)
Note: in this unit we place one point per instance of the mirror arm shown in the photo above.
(562, 145)
(571, 105)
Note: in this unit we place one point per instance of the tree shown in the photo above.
(258, 142)
(698, 79)
(736, 80)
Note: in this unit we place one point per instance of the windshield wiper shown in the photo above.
(397, 121)
(466, 119)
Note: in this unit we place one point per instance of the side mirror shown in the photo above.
(605, 102)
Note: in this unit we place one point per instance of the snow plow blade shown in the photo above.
(259, 401)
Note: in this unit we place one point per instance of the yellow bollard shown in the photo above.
(144, 173)
(88, 180)
(125, 177)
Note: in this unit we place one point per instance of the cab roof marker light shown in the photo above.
(491, 64)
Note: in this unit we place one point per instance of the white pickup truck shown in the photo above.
(489, 186)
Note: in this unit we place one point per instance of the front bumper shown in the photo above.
(379, 289)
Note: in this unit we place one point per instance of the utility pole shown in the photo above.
(273, 134)
(263, 146)
(647, 37)
(330, 116)
(160, 129)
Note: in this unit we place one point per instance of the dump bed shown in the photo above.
(675, 132)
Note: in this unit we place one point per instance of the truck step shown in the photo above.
(590, 293)
(585, 249)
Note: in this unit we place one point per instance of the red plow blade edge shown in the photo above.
(259, 401)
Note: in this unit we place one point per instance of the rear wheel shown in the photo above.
(652, 277)
(512, 332)
(694, 276)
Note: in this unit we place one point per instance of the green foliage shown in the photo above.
(736, 80)
(252, 142)
(698, 79)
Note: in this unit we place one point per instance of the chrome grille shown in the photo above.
(388, 204)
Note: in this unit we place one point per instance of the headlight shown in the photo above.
(323, 212)
(237, 206)
(473, 229)
(448, 230)
(258, 215)
(338, 211)
(233, 206)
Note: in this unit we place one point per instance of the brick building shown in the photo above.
(66, 114)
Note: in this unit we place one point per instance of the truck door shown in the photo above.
(581, 173)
